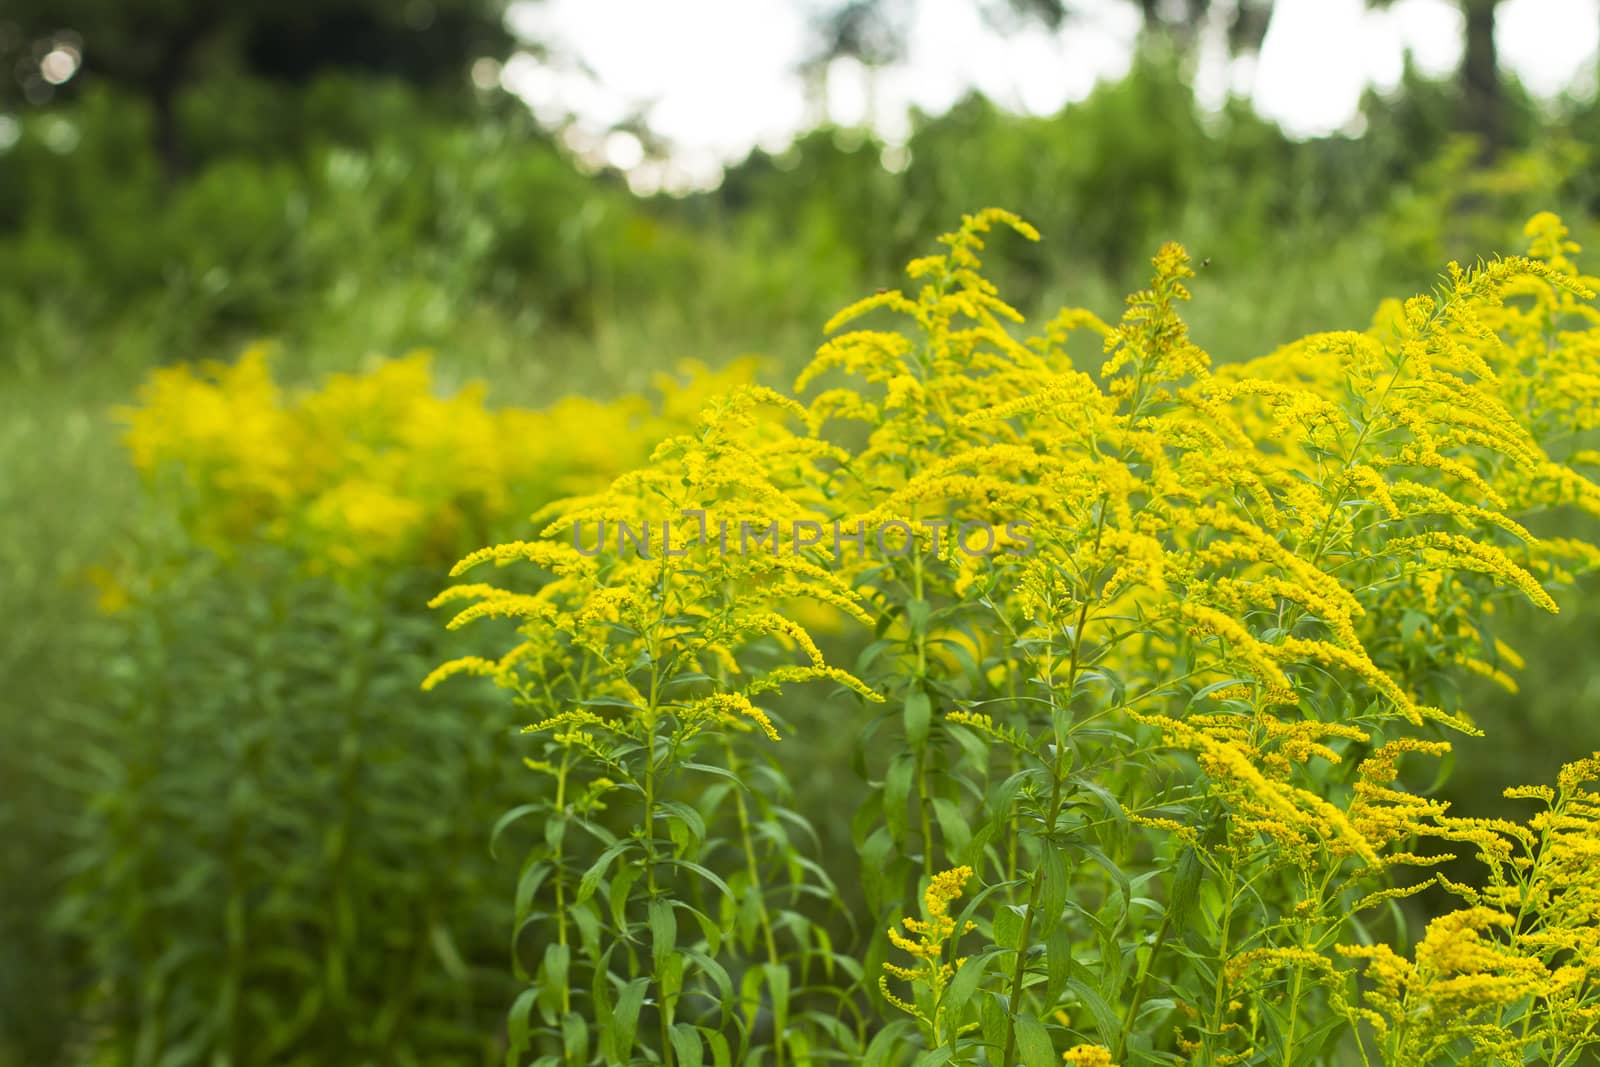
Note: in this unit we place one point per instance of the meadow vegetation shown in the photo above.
(1197, 776)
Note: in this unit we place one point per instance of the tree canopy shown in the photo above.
(157, 48)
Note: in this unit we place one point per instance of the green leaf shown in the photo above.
(1215, 687)
(1104, 1018)
(597, 871)
(663, 931)
(555, 832)
(1033, 1042)
(722, 887)
(708, 768)
(897, 793)
(964, 984)
(575, 1038)
(1185, 888)
(872, 651)
(719, 977)
(683, 820)
(507, 819)
(747, 922)
(918, 717)
(618, 897)
(1108, 801)
(1412, 625)
(778, 988)
(709, 928)
(518, 1024)
(533, 875)
(1107, 864)
(750, 995)
(623, 1022)
(1052, 890)
(588, 924)
(880, 1053)
(609, 702)
(1008, 928)
(953, 827)
(686, 1043)
(553, 973)
(1058, 963)
(917, 612)
(669, 979)
(993, 1020)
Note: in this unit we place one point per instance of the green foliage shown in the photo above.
(157, 50)
(49, 443)
(277, 854)
(373, 234)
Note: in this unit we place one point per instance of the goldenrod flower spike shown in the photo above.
(931, 938)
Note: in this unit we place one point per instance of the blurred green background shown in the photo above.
(232, 830)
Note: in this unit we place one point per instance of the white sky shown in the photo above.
(713, 78)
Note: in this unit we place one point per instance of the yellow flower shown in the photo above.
(930, 937)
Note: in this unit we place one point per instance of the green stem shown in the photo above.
(650, 872)
(1306, 942)
(1138, 988)
(651, 717)
(920, 638)
(1214, 1027)
(1021, 967)
(922, 811)
(1294, 1015)
(1053, 813)
(754, 871)
(559, 871)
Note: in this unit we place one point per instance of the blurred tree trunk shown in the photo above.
(166, 131)
(1249, 25)
(1179, 23)
(168, 81)
(1482, 95)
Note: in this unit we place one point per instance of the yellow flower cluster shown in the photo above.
(1261, 572)
(664, 586)
(1270, 522)
(1515, 971)
(929, 939)
(1272, 490)
(1274, 525)
(382, 467)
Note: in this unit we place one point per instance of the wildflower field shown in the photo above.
(463, 612)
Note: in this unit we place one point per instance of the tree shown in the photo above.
(156, 49)
(1481, 105)
(1248, 26)
(872, 30)
(1482, 95)
(869, 31)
